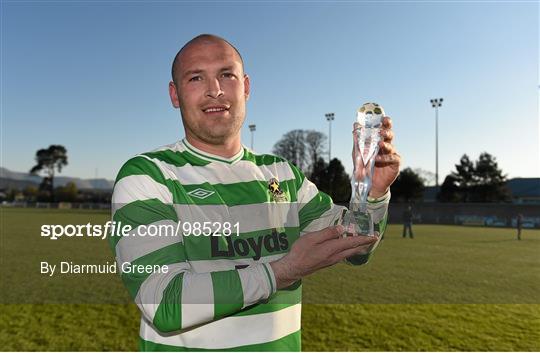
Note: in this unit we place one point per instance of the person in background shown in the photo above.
(407, 222)
(519, 225)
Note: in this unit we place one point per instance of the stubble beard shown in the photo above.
(214, 133)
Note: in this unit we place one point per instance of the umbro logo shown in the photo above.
(200, 193)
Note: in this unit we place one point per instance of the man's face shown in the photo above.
(211, 91)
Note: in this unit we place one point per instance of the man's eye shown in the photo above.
(228, 75)
(195, 78)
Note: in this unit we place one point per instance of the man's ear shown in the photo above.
(246, 86)
(173, 94)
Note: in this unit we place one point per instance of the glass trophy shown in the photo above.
(366, 137)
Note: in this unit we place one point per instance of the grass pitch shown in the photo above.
(450, 288)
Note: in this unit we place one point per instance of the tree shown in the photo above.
(292, 147)
(339, 182)
(11, 194)
(302, 147)
(319, 173)
(49, 161)
(464, 175)
(67, 193)
(428, 178)
(450, 191)
(30, 193)
(408, 186)
(490, 183)
(315, 147)
(481, 181)
(332, 179)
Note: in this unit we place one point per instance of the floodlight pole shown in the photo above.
(252, 129)
(330, 118)
(436, 103)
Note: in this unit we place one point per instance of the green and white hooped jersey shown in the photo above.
(219, 292)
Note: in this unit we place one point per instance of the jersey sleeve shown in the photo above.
(176, 298)
(317, 211)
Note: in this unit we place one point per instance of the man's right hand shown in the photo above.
(317, 250)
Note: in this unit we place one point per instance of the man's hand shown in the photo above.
(317, 250)
(387, 162)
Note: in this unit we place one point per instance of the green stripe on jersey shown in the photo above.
(141, 166)
(281, 299)
(382, 225)
(311, 211)
(167, 255)
(228, 293)
(139, 213)
(289, 343)
(261, 159)
(168, 315)
(234, 194)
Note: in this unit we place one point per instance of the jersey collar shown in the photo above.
(212, 157)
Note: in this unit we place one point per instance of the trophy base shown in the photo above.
(357, 223)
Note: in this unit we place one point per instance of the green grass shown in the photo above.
(451, 288)
(421, 327)
(442, 264)
(23, 249)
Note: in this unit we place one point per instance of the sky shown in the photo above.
(93, 76)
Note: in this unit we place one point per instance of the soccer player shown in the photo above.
(519, 225)
(250, 226)
(407, 222)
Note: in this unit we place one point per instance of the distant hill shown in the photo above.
(15, 184)
(19, 180)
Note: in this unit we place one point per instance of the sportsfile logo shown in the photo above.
(272, 242)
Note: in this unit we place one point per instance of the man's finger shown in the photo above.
(387, 135)
(350, 252)
(338, 245)
(386, 148)
(328, 233)
(387, 122)
(387, 159)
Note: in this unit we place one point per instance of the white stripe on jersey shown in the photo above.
(202, 266)
(222, 173)
(138, 188)
(136, 244)
(197, 299)
(232, 331)
(307, 191)
(250, 218)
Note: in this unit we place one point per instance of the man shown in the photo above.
(519, 225)
(237, 292)
(407, 222)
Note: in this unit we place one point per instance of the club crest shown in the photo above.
(276, 193)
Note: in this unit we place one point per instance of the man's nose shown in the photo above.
(214, 89)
